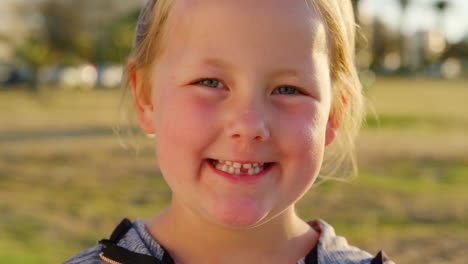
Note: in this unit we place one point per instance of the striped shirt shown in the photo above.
(331, 249)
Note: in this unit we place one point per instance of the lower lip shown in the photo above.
(241, 178)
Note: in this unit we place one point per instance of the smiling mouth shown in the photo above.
(238, 168)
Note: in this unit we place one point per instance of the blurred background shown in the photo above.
(66, 180)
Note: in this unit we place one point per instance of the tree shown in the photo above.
(356, 9)
(116, 41)
(402, 43)
(440, 7)
(59, 41)
(382, 43)
(63, 31)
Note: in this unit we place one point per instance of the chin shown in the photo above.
(239, 222)
(244, 213)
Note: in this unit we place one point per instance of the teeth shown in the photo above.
(238, 168)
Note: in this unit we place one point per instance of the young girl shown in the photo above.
(243, 97)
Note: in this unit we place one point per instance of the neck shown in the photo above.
(191, 239)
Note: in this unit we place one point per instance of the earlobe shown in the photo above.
(145, 121)
(331, 131)
(142, 101)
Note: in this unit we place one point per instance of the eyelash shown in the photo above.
(209, 79)
(296, 90)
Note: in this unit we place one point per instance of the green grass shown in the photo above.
(65, 181)
(404, 121)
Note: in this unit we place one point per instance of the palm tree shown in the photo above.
(404, 6)
(404, 3)
(441, 6)
(356, 9)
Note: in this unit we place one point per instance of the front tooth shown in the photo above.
(219, 166)
(237, 171)
(257, 170)
(228, 162)
(247, 166)
(224, 168)
(231, 170)
(255, 164)
(251, 171)
(237, 165)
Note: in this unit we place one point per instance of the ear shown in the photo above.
(335, 117)
(330, 133)
(141, 98)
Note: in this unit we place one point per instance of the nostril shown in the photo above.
(248, 129)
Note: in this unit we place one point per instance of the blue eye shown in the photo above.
(211, 83)
(284, 89)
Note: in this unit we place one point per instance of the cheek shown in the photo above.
(181, 118)
(303, 141)
(182, 124)
(175, 134)
(304, 128)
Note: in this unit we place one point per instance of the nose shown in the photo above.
(248, 124)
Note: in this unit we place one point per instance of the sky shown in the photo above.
(421, 15)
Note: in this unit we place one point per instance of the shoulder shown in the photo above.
(89, 256)
(335, 249)
(136, 239)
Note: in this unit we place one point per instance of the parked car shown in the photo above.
(12, 75)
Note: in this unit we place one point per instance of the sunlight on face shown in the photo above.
(247, 82)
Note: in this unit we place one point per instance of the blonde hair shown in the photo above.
(347, 102)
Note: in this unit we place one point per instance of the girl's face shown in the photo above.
(240, 82)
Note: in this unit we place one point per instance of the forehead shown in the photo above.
(259, 6)
(288, 29)
(290, 19)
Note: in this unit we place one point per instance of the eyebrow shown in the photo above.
(218, 63)
(215, 62)
(285, 72)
